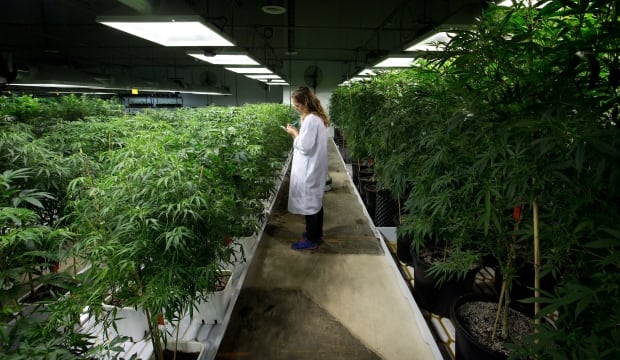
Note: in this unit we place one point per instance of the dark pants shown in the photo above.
(314, 226)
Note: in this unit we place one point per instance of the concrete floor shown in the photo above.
(340, 301)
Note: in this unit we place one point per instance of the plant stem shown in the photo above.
(155, 340)
(176, 344)
(400, 214)
(503, 305)
(499, 306)
(153, 328)
(536, 263)
(31, 284)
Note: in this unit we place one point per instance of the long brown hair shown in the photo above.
(312, 105)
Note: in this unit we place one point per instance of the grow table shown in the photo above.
(191, 329)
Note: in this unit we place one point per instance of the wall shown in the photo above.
(243, 89)
(332, 76)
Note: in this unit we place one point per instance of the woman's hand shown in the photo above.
(291, 130)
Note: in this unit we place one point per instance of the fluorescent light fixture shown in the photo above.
(273, 81)
(195, 91)
(198, 89)
(188, 30)
(162, 90)
(188, 91)
(367, 72)
(358, 78)
(249, 70)
(263, 76)
(58, 84)
(353, 80)
(277, 81)
(46, 76)
(206, 92)
(510, 3)
(224, 59)
(431, 43)
(86, 92)
(395, 62)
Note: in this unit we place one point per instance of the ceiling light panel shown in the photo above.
(86, 92)
(56, 85)
(395, 62)
(206, 92)
(367, 72)
(225, 59)
(168, 31)
(249, 70)
(263, 76)
(435, 42)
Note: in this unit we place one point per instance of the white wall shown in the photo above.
(243, 89)
(332, 76)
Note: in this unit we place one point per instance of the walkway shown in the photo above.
(344, 300)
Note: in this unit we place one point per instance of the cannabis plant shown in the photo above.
(154, 218)
(539, 84)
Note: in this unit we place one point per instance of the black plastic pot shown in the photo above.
(467, 347)
(356, 167)
(370, 194)
(364, 172)
(363, 182)
(344, 152)
(386, 209)
(403, 249)
(434, 297)
(338, 138)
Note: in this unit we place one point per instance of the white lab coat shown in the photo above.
(308, 168)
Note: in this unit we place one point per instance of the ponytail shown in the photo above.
(312, 105)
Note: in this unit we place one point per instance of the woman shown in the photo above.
(309, 166)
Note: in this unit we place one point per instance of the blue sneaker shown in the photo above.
(304, 244)
(305, 236)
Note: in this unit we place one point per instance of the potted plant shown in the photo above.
(159, 222)
(414, 162)
(152, 249)
(211, 306)
(31, 251)
(522, 114)
(536, 135)
(152, 226)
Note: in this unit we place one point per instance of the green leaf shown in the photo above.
(602, 244)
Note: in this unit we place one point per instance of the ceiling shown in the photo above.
(44, 34)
